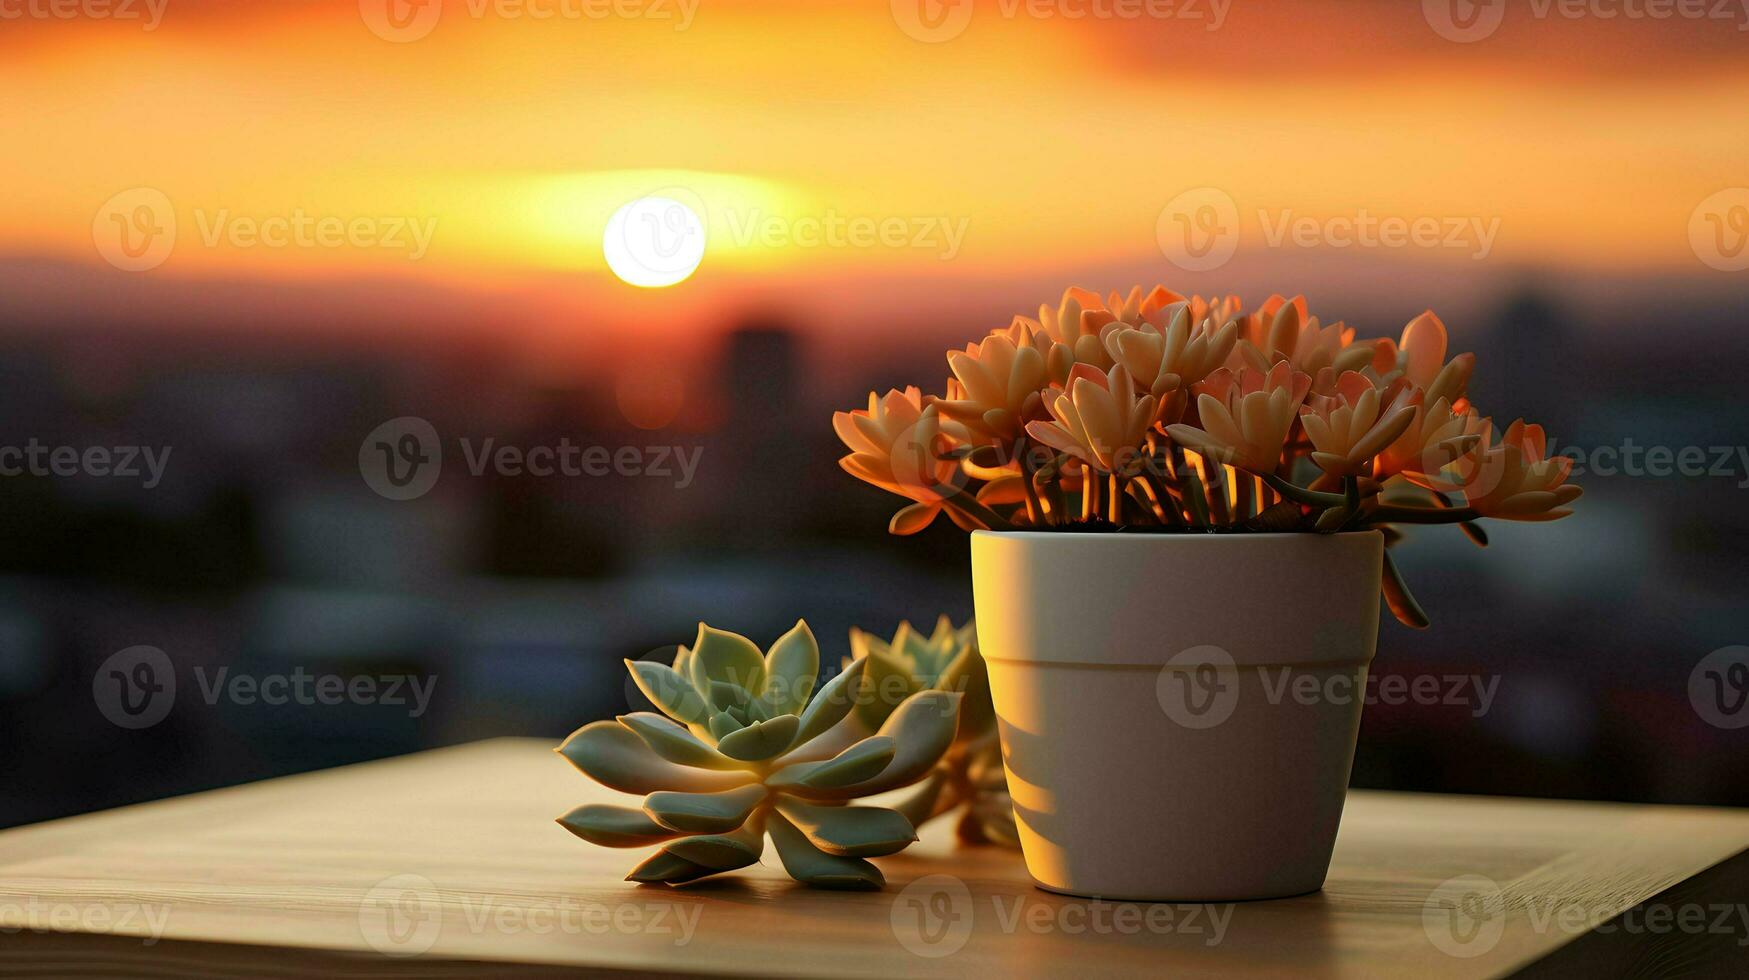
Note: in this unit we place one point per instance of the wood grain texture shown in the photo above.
(452, 859)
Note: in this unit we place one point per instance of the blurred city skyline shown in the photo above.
(1581, 179)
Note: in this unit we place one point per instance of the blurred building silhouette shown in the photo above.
(264, 550)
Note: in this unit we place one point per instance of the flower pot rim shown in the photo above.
(1246, 535)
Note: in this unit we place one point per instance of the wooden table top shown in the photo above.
(448, 863)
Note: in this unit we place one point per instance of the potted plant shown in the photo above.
(1180, 515)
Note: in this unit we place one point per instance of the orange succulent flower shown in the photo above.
(1513, 480)
(1437, 436)
(1354, 425)
(1099, 419)
(999, 385)
(1245, 417)
(1164, 361)
(1420, 358)
(1282, 330)
(896, 443)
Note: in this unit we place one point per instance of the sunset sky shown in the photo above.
(1022, 151)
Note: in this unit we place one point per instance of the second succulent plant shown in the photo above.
(969, 778)
(737, 753)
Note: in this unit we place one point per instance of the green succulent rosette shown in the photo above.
(737, 753)
(969, 777)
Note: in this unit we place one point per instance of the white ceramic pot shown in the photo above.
(1177, 712)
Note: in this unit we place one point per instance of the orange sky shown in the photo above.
(1049, 145)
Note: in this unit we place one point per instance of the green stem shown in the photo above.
(971, 507)
(1035, 513)
(1199, 508)
(1300, 495)
(1422, 515)
(1164, 505)
(1397, 596)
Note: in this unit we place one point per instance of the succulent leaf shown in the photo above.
(729, 697)
(923, 729)
(721, 852)
(617, 758)
(674, 743)
(864, 760)
(791, 667)
(760, 740)
(889, 683)
(669, 691)
(850, 831)
(702, 813)
(929, 798)
(670, 869)
(831, 703)
(913, 518)
(807, 863)
(615, 826)
(723, 724)
(728, 657)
